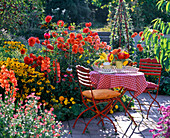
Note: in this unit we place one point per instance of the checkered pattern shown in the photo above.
(135, 82)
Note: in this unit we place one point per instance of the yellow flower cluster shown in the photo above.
(63, 101)
(13, 45)
(29, 80)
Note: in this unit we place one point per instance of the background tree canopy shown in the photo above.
(25, 17)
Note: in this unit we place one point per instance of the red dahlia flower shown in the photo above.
(26, 60)
(47, 35)
(140, 33)
(48, 18)
(22, 51)
(60, 23)
(37, 40)
(50, 47)
(88, 24)
(54, 34)
(86, 30)
(71, 28)
(31, 41)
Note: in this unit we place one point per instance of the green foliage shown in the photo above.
(69, 10)
(158, 42)
(19, 17)
(164, 87)
(163, 5)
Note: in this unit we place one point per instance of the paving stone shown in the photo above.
(122, 122)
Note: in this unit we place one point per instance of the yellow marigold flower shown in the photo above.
(70, 107)
(23, 80)
(61, 98)
(43, 79)
(66, 102)
(47, 81)
(116, 106)
(38, 93)
(80, 56)
(52, 87)
(111, 111)
(43, 101)
(41, 88)
(33, 89)
(73, 102)
(71, 99)
(39, 82)
(47, 91)
(88, 61)
(23, 96)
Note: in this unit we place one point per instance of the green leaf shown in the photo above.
(167, 31)
(168, 7)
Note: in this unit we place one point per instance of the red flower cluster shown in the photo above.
(54, 34)
(48, 18)
(120, 54)
(28, 60)
(7, 77)
(60, 23)
(56, 65)
(33, 40)
(134, 34)
(45, 64)
(139, 46)
(71, 28)
(49, 46)
(88, 24)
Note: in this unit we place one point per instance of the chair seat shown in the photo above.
(100, 94)
(151, 85)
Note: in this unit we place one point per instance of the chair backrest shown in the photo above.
(150, 67)
(83, 76)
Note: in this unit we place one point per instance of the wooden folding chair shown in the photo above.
(96, 96)
(149, 67)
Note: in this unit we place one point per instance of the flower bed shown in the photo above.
(48, 68)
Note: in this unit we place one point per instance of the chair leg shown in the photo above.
(89, 122)
(127, 111)
(80, 115)
(154, 100)
(131, 101)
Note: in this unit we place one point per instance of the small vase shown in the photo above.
(119, 64)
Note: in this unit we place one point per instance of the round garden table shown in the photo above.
(133, 81)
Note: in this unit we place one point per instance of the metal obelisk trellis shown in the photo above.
(120, 16)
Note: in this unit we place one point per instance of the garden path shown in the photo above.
(122, 122)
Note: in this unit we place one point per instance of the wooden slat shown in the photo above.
(155, 74)
(149, 60)
(83, 77)
(148, 70)
(85, 84)
(150, 64)
(158, 68)
(82, 69)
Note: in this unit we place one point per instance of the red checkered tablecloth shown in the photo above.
(135, 82)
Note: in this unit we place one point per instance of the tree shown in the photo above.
(155, 36)
(68, 10)
(19, 17)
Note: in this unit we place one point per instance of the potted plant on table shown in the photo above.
(118, 56)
